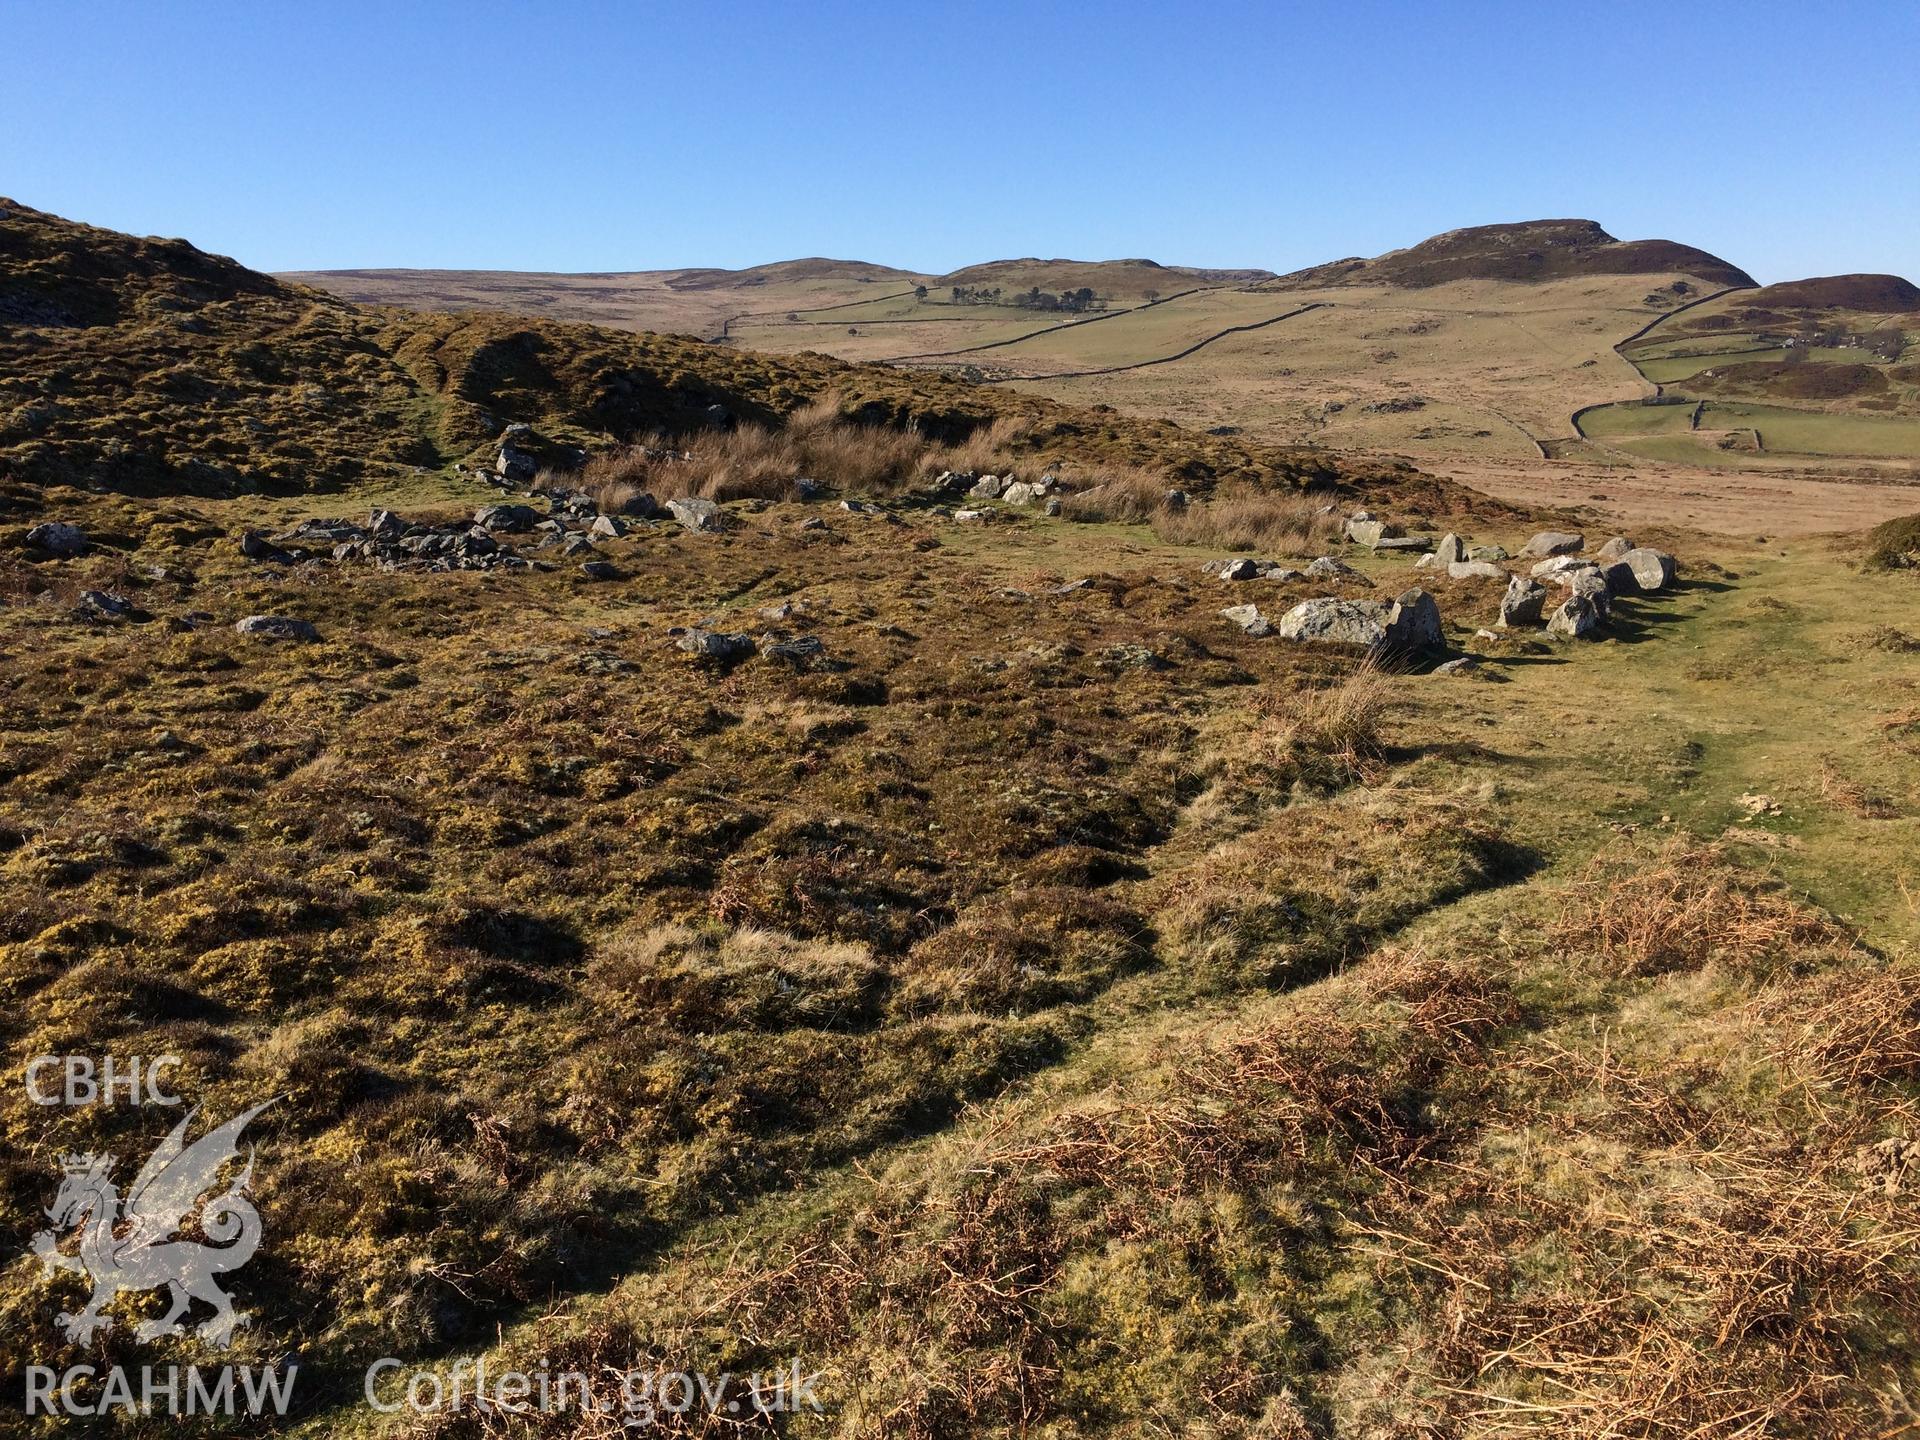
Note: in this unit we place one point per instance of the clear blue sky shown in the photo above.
(1785, 137)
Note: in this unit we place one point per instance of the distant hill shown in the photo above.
(1111, 279)
(782, 271)
(1868, 294)
(1529, 251)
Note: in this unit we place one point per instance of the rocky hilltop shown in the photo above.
(1531, 250)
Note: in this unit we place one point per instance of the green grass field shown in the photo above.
(1782, 431)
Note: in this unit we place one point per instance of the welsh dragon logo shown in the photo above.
(131, 1244)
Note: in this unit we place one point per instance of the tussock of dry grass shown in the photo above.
(1295, 525)
(1683, 907)
(752, 461)
(1118, 495)
(1345, 722)
(816, 442)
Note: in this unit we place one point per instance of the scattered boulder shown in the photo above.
(696, 514)
(1619, 577)
(714, 644)
(513, 519)
(1522, 603)
(806, 489)
(57, 537)
(607, 527)
(1475, 569)
(640, 506)
(1652, 569)
(1175, 500)
(1576, 619)
(972, 517)
(600, 570)
(515, 465)
(1488, 552)
(1457, 666)
(277, 627)
(1590, 583)
(1559, 563)
(256, 546)
(1451, 550)
(794, 650)
(1328, 568)
(1370, 532)
(103, 605)
(1241, 570)
(1615, 549)
(1554, 542)
(1405, 542)
(1249, 619)
(1020, 493)
(1413, 623)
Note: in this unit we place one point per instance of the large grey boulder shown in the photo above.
(277, 627)
(607, 527)
(987, 487)
(1475, 569)
(1576, 619)
(1337, 622)
(1614, 549)
(696, 514)
(1451, 550)
(1522, 603)
(1488, 552)
(1021, 493)
(1554, 542)
(57, 537)
(1619, 577)
(1652, 569)
(1411, 623)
